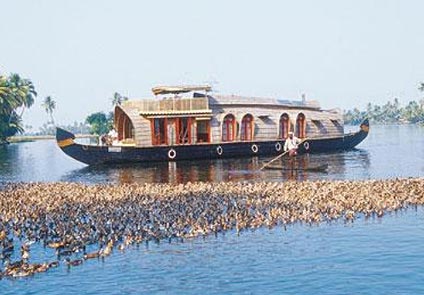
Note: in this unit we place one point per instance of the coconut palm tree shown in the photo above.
(23, 91)
(4, 89)
(49, 106)
(15, 93)
(118, 99)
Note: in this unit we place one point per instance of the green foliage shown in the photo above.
(389, 113)
(49, 106)
(100, 123)
(15, 93)
(76, 128)
(118, 99)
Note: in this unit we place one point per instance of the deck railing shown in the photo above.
(170, 105)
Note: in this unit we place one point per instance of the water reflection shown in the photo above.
(340, 166)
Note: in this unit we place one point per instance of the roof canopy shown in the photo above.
(179, 89)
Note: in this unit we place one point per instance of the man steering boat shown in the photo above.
(291, 144)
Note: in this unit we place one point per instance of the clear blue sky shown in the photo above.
(342, 53)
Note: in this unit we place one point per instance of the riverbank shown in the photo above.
(28, 138)
(68, 217)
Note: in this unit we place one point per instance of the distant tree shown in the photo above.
(421, 87)
(49, 106)
(99, 122)
(118, 99)
(391, 112)
(413, 112)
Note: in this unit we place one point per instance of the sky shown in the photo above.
(342, 53)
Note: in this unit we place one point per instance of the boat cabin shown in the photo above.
(189, 115)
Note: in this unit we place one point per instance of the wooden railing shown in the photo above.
(170, 105)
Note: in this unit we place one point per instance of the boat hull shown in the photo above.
(97, 154)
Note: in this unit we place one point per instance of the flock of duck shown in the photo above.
(70, 218)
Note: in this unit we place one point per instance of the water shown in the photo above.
(389, 151)
(369, 256)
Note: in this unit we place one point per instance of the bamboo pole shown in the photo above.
(279, 156)
(276, 158)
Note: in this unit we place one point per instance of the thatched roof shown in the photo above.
(179, 89)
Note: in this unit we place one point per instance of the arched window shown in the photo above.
(301, 126)
(123, 125)
(284, 126)
(128, 128)
(246, 128)
(228, 128)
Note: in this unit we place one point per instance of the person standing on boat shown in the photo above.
(291, 144)
(113, 137)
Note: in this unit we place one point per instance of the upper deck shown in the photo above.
(148, 107)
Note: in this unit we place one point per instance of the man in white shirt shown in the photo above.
(113, 136)
(291, 144)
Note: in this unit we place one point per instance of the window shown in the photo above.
(183, 130)
(284, 126)
(123, 125)
(338, 126)
(128, 129)
(247, 128)
(318, 124)
(228, 128)
(159, 134)
(301, 126)
(202, 134)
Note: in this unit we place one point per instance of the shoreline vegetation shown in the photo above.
(29, 138)
(69, 219)
(389, 113)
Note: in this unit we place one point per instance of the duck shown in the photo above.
(3, 235)
(63, 252)
(75, 262)
(22, 273)
(56, 245)
(91, 255)
(53, 264)
(25, 256)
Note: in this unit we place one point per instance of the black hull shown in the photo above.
(94, 155)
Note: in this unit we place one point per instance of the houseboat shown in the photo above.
(189, 122)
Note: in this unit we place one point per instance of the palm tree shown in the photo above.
(8, 101)
(14, 93)
(118, 99)
(23, 91)
(4, 89)
(49, 106)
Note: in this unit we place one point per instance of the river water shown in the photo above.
(369, 256)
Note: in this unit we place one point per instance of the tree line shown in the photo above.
(389, 113)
